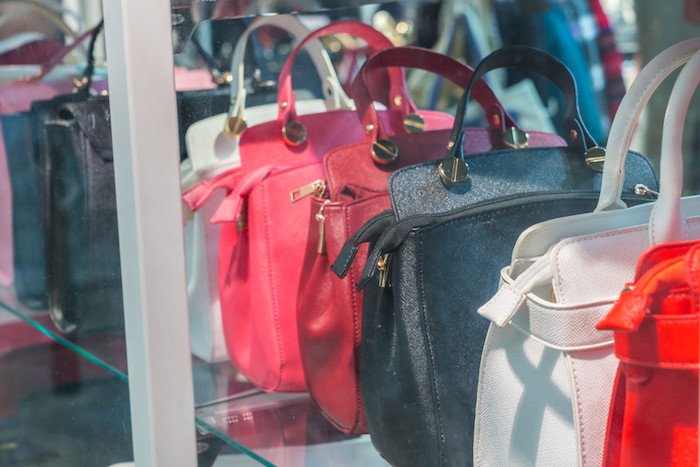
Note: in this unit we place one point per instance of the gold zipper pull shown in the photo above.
(321, 247)
(317, 188)
(383, 265)
(643, 190)
(242, 219)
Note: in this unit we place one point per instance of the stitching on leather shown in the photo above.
(694, 274)
(579, 408)
(356, 331)
(273, 288)
(583, 240)
(429, 348)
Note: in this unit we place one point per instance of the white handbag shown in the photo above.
(546, 374)
(212, 148)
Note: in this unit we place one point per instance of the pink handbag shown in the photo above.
(264, 233)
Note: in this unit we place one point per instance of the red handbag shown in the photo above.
(356, 175)
(263, 234)
(654, 411)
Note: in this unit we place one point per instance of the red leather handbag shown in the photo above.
(356, 175)
(263, 234)
(654, 409)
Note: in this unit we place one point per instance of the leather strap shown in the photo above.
(57, 59)
(426, 60)
(666, 222)
(537, 61)
(627, 117)
(398, 96)
(663, 341)
(334, 94)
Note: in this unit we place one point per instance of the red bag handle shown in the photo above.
(57, 59)
(398, 96)
(433, 62)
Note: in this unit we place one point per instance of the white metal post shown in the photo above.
(146, 162)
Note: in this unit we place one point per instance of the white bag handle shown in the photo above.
(666, 223)
(627, 116)
(333, 91)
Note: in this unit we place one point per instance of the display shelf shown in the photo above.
(270, 429)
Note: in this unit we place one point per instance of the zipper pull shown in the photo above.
(317, 188)
(321, 219)
(383, 265)
(643, 190)
(242, 219)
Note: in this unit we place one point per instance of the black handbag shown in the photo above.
(438, 254)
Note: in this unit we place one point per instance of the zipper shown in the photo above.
(393, 236)
(383, 266)
(643, 190)
(242, 219)
(316, 188)
(321, 219)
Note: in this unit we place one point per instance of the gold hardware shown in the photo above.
(595, 158)
(242, 219)
(369, 128)
(643, 190)
(384, 152)
(453, 171)
(383, 265)
(516, 138)
(283, 105)
(397, 101)
(317, 188)
(80, 82)
(496, 119)
(573, 134)
(321, 219)
(235, 125)
(294, 133)
(414, 123)
(223, 78)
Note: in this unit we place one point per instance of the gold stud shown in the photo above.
(235, 125)
(414, 123)
(453, 171)
(573, 134)
(595, 158)
(294, 133)
(516, 138)
(496, 119)
(369, 128)
(398, 101)
(283, 105)
(384, 152)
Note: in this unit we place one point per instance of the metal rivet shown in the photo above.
(294, 133)
(595, 158)
(384, 151)
(453, 171)
(573, 134)
(516, 138)
(283, 105)
(414, 123)
(235, 125)
(369, 128)
(496, 119)
(398, 101)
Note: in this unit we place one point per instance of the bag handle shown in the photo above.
(433, 62)
(293, 131)
(627, 117)
(666, 222)
(333, 91)
(50, 13)
(48, 66)
(427, 60)
(453, 169)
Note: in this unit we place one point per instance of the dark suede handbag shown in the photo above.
(438, 254)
